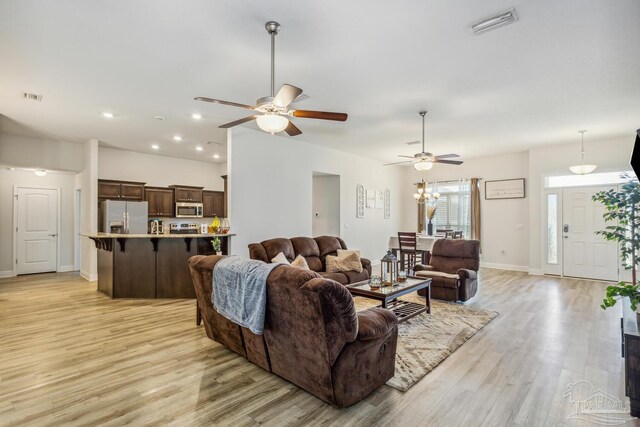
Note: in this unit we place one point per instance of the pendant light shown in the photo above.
(582, 169)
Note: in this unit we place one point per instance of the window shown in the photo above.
(453, 208)
(552, 228)
(591, 179)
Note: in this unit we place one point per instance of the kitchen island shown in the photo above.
(150, 265)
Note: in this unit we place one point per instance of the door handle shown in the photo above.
(52, 235)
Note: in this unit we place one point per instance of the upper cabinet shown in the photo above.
(213, 203)
(160, 200)
(183, 193)
(120, 190)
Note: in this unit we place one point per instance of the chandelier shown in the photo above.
(423, 195)
(582, 169)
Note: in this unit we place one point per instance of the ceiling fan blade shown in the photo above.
(323, 115)
(219, 101)
(286, 95)
(238, 122)
(446, 156)
(413, 142)
(408, 157)
(292, 129)
(397, 163)
(448, 162)
(300, 98)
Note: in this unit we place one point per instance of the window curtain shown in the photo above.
(422, 216)
(475, 209)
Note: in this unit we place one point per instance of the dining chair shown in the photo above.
(448, 234)
(408, 243)
(457, 234)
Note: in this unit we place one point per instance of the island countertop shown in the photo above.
(152, 236)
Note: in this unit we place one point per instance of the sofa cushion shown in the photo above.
(338, 277)
(348, 263)
(354, 276)
(308, 248)
(441, 280)
(344, 252)
(274, 246)
(300, 262)
(328, 245)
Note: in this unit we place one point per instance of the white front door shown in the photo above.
(586, 254)
(37, 235)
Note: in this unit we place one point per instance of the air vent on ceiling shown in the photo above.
(31, 96)
(496, 21)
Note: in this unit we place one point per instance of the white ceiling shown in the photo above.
(564, 66)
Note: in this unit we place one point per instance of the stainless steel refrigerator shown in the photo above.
(123, 217)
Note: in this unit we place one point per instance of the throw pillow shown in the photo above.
(348, 263)
(281, 259)
(344, 252)
(300, 262)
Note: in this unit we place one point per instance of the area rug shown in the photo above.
(427, 339)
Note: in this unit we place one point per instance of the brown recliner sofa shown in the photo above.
(315, 251)
(313, 336)
(453, 269)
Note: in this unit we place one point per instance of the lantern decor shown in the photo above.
(389, 265)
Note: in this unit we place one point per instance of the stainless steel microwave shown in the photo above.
(189, 210)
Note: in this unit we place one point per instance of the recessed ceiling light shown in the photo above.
(108, 115)
(155, 146)
(199, 148)
(177, 138)
(196, 116)
(161, 118)
(40, 172)
(216, 156)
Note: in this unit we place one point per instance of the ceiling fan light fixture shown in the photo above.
(272, 123)
(423, 165)
(40, 172)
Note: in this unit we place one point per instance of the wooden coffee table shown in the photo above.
(388, 296)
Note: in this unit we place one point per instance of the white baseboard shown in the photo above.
(65, 268)
(511, 267)
(536, 272)
(89, 277)
(8, 273)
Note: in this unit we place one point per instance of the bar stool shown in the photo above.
(457, 234)
(408, 243)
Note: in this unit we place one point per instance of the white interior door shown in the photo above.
(37, 219)
(586, 254)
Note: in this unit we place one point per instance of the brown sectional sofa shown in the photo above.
(313, 336)
(314, 250)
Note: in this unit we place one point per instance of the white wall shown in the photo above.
(87, 182)
(270, 191)
(326, 206)
(29, 152)
(609, 155)
(63, 181)
(159, 171)
(504, 223)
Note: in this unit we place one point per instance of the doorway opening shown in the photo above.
(325, 206)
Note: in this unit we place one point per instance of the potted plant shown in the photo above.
(216, 244)
(622, 209)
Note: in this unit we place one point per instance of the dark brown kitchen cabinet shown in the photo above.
(120, 190)
(213, 203)
(160, 200)
(184, 193)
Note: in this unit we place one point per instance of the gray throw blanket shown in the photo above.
(239, 291)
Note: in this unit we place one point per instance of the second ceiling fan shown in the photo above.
(272, 113)
(424, 161)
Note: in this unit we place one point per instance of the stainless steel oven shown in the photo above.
(189, 210)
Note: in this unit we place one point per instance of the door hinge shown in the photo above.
(16, 196)
(16, 260)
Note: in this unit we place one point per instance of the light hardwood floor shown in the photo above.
(71, 356)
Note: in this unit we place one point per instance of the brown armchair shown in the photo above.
(453, 269)
(313, 336)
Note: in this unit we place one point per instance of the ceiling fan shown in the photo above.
(424, 161)
(272, 112)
